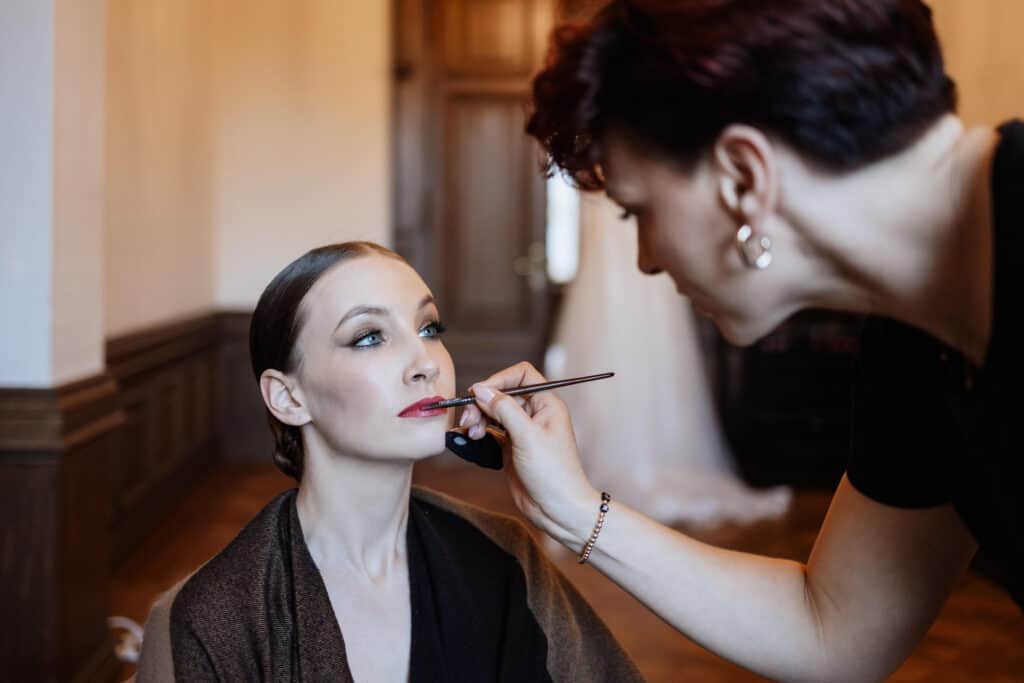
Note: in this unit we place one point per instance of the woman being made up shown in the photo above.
(781, 155)
(356, 575)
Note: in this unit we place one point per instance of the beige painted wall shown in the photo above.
(159, 192)
(984, 53)
(240, 133)
(303, 134)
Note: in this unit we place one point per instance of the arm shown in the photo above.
(875, 581)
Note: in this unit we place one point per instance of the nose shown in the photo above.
(423, 368)
(644, 262)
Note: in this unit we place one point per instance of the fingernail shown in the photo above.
(483, 392)
(476, 431)
(464, 418)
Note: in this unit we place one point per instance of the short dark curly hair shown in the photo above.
(845, 82)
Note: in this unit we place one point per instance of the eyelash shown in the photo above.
(626, 215)
(438, 326)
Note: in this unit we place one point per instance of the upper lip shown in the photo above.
(420, 403)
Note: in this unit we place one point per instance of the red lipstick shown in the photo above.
(417, 409)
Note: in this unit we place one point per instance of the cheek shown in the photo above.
(348, 398)
(668, 242)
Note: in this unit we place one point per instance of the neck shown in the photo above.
(354, 511)
(908, 237)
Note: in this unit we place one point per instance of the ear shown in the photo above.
(283, 398)
(747, 173)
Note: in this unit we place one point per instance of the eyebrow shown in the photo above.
(378, 310)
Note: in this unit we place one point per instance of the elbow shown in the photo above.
(836, 654)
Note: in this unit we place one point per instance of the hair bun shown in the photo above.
(288, 450)
(286, 465)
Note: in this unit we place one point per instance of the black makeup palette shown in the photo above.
(485, 452)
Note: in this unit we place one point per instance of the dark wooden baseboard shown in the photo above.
(55, 563)
(103, 665)
(90, 469)
(245, 434)
(171, 395)
(189, 399)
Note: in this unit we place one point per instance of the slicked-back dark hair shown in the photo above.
(845, 82)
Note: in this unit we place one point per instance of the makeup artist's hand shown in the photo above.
(545, 476)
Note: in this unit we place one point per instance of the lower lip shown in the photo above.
(420, 412)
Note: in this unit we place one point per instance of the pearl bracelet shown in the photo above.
(589, 547)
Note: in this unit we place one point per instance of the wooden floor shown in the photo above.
(979, 637)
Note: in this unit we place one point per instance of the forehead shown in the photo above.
(371, 280)
(625, 164)
(632, 170)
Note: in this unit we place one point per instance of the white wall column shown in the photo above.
(52, 78)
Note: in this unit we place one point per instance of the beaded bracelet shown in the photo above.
(589, 547)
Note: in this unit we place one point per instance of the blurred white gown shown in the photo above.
(650, 435)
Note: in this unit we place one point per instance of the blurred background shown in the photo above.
(161, 160)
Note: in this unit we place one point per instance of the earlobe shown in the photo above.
(283, 398)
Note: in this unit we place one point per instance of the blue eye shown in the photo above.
(433, 330)
(371, 338)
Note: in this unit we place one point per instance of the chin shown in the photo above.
(428, 441)
(745, 332)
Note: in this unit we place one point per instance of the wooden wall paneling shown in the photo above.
(169, 423)
(55, 451)
(469, 198)
(245, 434)
(87, 471)
(28, 557)
(201, 410)
(128, 466)
(412, 195)
(84, 567)
(485, 225)
(490, 37)
(493, 202)
(173, 423)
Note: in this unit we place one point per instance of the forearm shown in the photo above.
(761, 613)
(876, 578)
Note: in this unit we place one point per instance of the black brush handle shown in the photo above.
(485, 452)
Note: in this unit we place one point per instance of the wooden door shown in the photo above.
(469, 199)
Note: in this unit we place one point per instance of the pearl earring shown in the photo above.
(756, 254)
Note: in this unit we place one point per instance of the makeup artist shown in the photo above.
(777, 156)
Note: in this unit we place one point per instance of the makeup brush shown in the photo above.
(486, 451)
(527, 389)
